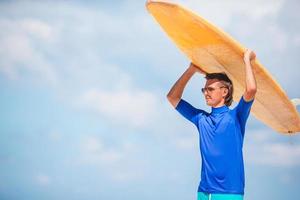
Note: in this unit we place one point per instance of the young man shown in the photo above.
(221, 132)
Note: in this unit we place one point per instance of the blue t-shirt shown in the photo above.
(221, 134)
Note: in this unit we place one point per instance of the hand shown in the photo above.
(194, 68)
(249, 55)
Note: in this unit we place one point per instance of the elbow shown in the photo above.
(170, 98)
(173, 100)
(251, 90)
(251, 87)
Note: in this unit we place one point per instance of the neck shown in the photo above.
(220, 109)
(220, 104)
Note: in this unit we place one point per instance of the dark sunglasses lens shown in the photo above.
(210, 89)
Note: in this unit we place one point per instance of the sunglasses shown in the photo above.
(210, 89)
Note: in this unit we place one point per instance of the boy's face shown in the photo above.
(214, 93)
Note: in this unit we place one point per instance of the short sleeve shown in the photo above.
(243, 110)
(188, 111)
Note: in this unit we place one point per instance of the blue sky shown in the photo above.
(83, 107)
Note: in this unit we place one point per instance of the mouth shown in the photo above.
(207, 98)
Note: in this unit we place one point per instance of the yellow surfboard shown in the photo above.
(215, 51)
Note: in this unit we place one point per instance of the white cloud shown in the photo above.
(18, 53)
(222, 12)
(104, 158)
(258, 136)
(296, 40)
(262, 149)
(92, 145)
(36, 28)
(55, 136)
(277, 154)
(122, 176)
(42, 179)
(186, 143)
(93, 152)
(279, 38)
(117, 162)
(132, 106)
(76, 58)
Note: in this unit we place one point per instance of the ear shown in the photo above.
(225, 92)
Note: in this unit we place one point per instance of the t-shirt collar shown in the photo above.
(219, 109)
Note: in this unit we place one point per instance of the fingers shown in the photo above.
(249, 55)
(253, 55)
(192, 64)
(197, 69)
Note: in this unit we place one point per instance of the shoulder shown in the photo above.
(244, 102)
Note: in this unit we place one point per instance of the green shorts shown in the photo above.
(208, 196)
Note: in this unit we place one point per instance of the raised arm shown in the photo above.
(176, 91)
(251, 88)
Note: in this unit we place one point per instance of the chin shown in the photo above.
(208, 103)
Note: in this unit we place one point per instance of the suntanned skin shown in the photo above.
(217, 97)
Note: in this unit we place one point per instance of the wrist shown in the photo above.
(191, 70)
(247, 61)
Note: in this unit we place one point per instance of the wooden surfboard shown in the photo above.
(215, 51)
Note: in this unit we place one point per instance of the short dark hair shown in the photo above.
(226, 82)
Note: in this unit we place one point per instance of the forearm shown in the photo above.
(250, 77)
(177, 89)
(251, 88)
